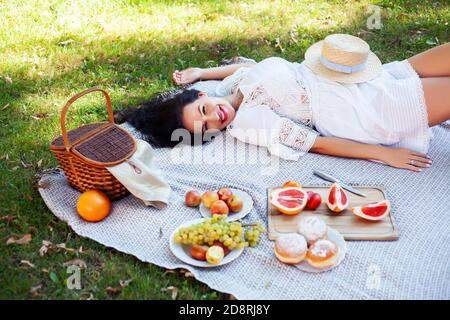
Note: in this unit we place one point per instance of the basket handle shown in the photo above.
(72, 100)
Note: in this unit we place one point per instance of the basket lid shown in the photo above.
(77, 134)
(108, 147)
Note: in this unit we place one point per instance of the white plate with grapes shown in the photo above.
(184, 251)
(247, 202)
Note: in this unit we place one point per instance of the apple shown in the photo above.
(192, 198)
(199, 252)
(235, 203)
(209, 197)
(314, 200)
(291, 183)
(219, 207)
(215, 255)
(224, 247)
(224, 194)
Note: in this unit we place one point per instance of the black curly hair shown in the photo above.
(158, 118)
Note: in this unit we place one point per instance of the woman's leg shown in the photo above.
(437, 97)
(432, 63)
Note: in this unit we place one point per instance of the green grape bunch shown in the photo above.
(230, 234)
(252, 235)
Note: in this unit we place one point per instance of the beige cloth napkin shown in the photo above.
(141, 176)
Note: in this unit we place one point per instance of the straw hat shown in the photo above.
(343, 58)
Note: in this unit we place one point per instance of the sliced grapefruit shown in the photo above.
(337, 198)
(373, 211)
(289, 200)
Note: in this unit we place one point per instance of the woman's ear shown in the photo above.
(202, 94)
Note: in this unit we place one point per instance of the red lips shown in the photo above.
(223, 114)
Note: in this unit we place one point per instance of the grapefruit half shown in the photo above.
(289, 200)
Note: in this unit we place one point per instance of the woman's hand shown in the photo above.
(404, 159)
(189, 75)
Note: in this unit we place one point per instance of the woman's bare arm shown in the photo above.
(191, 75)
(395, 157)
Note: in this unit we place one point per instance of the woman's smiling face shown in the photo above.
(207, 113)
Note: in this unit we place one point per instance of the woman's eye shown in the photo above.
(204, 110)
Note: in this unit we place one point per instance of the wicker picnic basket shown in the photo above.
(85, 152)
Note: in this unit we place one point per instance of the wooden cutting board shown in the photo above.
(349, 225)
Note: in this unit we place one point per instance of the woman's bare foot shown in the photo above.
(189, 75)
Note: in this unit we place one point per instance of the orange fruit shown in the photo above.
(292, 183)
(289, 200)
(93, 206)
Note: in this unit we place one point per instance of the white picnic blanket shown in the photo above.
(417, 266)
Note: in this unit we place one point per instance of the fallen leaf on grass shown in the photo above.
(86, 296)
(168, 272)
(45, 248)
(25, 165)
(63, 246)
(187, 273)
(44, 184)
(125, 283)
(40, 116)
(172, 289)
(48, 246)
(66, 42)
(113, 60)
(34, 291)
(5, 106)
(8, 79)
(278, 44)
(8, 219)
(39, 163)
(27, 263)
(24, 240)
(75, 262)
(112, 290)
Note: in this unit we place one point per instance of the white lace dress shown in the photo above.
(286, 106)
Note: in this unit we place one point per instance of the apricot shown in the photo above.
(219, 207)
(209, 197)
(224, 194)
(193, 199)
(235, 203)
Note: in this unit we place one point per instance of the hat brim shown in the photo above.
(371, 70)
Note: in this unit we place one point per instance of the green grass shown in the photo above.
(50, 50)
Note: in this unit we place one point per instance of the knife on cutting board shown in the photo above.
(344, 185)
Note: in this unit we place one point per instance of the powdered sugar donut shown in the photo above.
(291, 248)
(322, 254)
(312, 228)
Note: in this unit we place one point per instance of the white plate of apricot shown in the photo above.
(234, 203)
